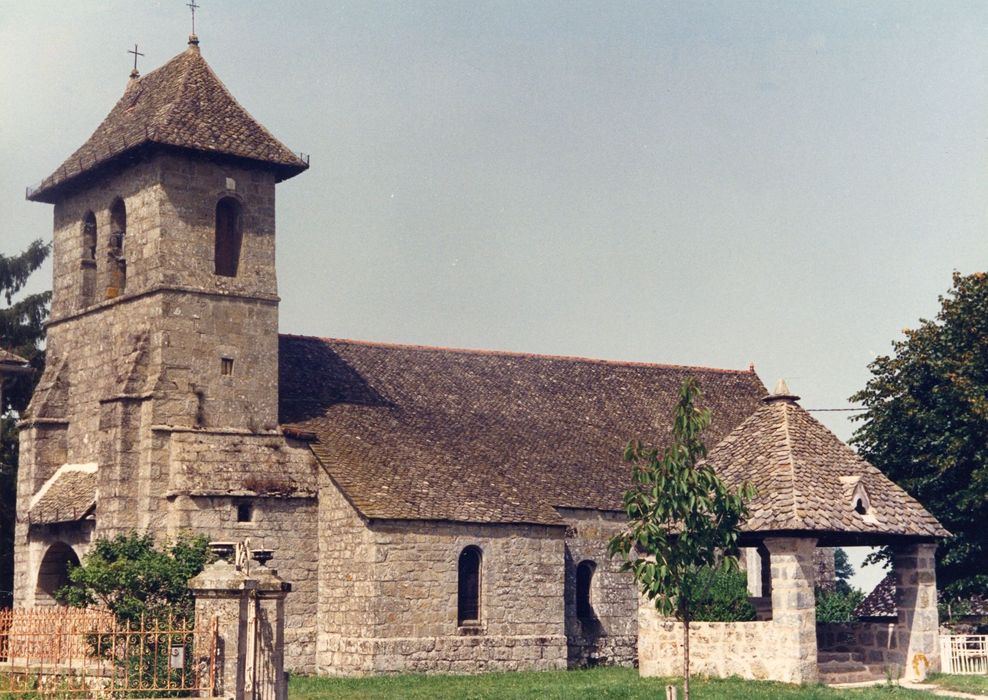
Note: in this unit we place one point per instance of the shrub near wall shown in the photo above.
(723, 596)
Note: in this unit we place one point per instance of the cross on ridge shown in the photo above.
(192, 6)
(136, 54)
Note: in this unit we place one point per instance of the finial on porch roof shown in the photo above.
(781, 393)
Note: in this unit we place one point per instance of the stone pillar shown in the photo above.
(251, 612)
(793, 608)
(917, 628)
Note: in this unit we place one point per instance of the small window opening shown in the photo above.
(89, 237)
(229, 237)
(468, 592)
(859, 507)
(245, 512)
(584, 601)
(226, 366)
(117, 251)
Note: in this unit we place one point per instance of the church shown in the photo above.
(435, 509)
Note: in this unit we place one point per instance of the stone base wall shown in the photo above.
(878, 642)
(719, 649)
(350, 656)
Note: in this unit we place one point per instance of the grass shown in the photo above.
(978, 685)
(597, 684)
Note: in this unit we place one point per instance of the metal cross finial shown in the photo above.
(192, 6)
(136, 54)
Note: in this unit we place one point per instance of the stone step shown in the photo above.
(827, 656)
(846, 671)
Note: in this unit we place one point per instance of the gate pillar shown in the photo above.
(250, 607)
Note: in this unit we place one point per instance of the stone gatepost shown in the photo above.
(917, 628)
(250, 607)
(793, 608)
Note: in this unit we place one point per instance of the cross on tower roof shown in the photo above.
(192, 6)
(134, 73)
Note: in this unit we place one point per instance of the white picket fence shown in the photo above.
(964, 653)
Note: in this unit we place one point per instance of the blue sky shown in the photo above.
(710, 183)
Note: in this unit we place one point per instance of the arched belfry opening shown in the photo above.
(117, 250)
(229, 236)
(87, 262)
(54, 573)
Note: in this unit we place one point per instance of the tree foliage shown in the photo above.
(682, 518)
(838, 605)
(21, 332)
(721, 596)
(843, 570)
(926, 425)
(133, 576)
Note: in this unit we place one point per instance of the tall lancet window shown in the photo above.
(229, 236)
(118, 261)
(88, 260)
(468, 598)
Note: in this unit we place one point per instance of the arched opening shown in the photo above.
(54, 572)
(89, 237)
(584, 599)
(468, 592)
(87, 290)
(229, 236)
(117, 251)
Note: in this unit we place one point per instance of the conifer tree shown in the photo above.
(21, 332)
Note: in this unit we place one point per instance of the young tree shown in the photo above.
(132, 576)
(682, 519)
(21, 332)
(926, 426)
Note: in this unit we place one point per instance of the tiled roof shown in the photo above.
(69, 495)
(9, 358)
(182, 104)
(881, 602)
(807, 479)
(437, 434)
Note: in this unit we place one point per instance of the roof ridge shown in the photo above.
(516, 353)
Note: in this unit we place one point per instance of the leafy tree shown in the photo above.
(926, 426)
(838, 605)
(21, 332)
(682, 519)
(132, 576)
(843, 571)
(721, 596)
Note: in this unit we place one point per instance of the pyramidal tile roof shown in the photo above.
(806, 479)
(182, 104)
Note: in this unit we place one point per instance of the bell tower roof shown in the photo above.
(184, 105)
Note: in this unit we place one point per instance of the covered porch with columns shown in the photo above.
(811, 491)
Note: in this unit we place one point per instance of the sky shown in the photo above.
(703, 183)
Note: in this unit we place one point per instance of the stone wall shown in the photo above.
(610, 636)
(388, 599)
(878, 642)
(718, 649)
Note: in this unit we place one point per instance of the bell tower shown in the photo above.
(164, 315)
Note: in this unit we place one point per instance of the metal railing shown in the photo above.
(60, 652)
(965, 654)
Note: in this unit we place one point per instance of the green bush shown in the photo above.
(720, 596)
(839, 605)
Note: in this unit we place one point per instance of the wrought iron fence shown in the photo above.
(73, 653)
(964, 653)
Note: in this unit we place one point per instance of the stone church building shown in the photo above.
(434, 509)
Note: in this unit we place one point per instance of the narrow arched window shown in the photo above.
(468, 591)
(89, 237)
(584, 578)
(118, 261)
(228, 237)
